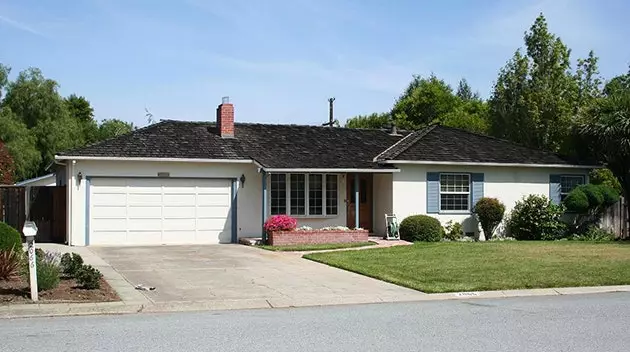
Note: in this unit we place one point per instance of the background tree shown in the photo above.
(375, 120)
(80, 109)
(21, 144)
(465, 92)
(536, 96)
(7, 169)
(113, 128)
(608, 128)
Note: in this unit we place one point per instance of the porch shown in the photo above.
(329, 198)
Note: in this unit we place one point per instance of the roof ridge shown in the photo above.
(417, 135)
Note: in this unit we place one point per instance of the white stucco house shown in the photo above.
(179, 182)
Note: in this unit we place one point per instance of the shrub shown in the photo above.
(280, 223)
(535, 217)
(593, 193)
(610, 195)
(594, 233)
(71, 263)
(47, 275)
(10, 262)
(607, 178)
(421, 228)
(490, 213)
(89, 277)
(454, 231)
(576, 201)
(10, 238)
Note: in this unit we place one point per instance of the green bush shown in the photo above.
(593, 193)
(576, 201)
(490, 213)
(47, 275)
(71, 263)
(594, 233)
(421, 228)
(89, 277)
(610, 195)
(454, 231)
(10, 238)
(535, 217)
(605, 177)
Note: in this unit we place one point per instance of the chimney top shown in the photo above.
(225, 118)
(225, 100)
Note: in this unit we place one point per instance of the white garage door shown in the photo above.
(159, 211)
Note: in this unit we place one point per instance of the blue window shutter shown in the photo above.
(433, 192)
(554, 188)
(477, 188)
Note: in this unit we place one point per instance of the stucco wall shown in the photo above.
(382, 201)
(508, 184)
(249, 211)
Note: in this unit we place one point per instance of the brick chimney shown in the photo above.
(225, 118)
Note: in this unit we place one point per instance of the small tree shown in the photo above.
(490, 213)
(589, 202)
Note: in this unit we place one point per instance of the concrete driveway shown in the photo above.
(241, 273)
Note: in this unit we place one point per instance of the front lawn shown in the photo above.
(317, 247)
(454, 267)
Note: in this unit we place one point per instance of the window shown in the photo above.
(331, 194)
(454, 192)
(304, 194)
(315, 194)
(568, 183)
(278, 194)
(298, 194)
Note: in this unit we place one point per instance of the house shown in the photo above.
(178, 182)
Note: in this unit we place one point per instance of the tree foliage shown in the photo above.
(7, 169)
(113, 128)
(21, 144)
(375, 120)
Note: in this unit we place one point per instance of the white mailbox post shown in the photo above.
(30, 230)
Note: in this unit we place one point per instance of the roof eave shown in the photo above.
(188, 160)
(470, 163)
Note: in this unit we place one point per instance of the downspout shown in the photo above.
(356, 200)
(264, 206)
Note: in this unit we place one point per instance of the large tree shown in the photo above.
(80, 109)
(607, 127)
(7, 169)
(21, 144)
(375, 120)
(113, 128)
(536, 96)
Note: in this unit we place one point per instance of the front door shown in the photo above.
(365, 201)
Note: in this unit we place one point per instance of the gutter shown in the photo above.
(303, 170)
(455, 163)
(189, 160)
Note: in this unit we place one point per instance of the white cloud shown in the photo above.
(21, 26)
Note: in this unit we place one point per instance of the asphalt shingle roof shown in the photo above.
(273, 146)
(447, 144)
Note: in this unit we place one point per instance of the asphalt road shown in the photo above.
(561, 323)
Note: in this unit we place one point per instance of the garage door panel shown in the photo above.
(108, 199)
(179, 199)
(145, 212)
(104, 224)
(213, 199)
(144, 224)
(160, 211)
(144, 199)
(109, 212)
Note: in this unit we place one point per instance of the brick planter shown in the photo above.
(287, 238)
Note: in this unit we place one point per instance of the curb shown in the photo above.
(115, 308)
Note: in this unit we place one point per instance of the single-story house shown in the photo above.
(177, 182)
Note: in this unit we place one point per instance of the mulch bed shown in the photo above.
(18, 291)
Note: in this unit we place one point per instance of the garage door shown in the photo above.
(159, 211)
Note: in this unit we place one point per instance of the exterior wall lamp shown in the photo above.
(242, 179)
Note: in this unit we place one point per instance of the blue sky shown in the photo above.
(279, 61)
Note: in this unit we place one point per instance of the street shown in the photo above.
(559, 323)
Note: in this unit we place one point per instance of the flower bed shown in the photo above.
(297, 236)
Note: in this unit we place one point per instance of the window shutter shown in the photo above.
(433, 192)
(477, 188)
(554, 188)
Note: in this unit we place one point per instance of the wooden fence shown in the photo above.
(46, 206)
(615, 219)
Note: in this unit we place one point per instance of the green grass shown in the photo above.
(454, 267)
(317, 247)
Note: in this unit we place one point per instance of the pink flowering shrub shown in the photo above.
(280, 223)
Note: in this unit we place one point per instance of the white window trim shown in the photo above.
(440, 192)
(306, 214)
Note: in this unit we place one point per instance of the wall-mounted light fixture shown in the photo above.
(80, 176)
(242, 179)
